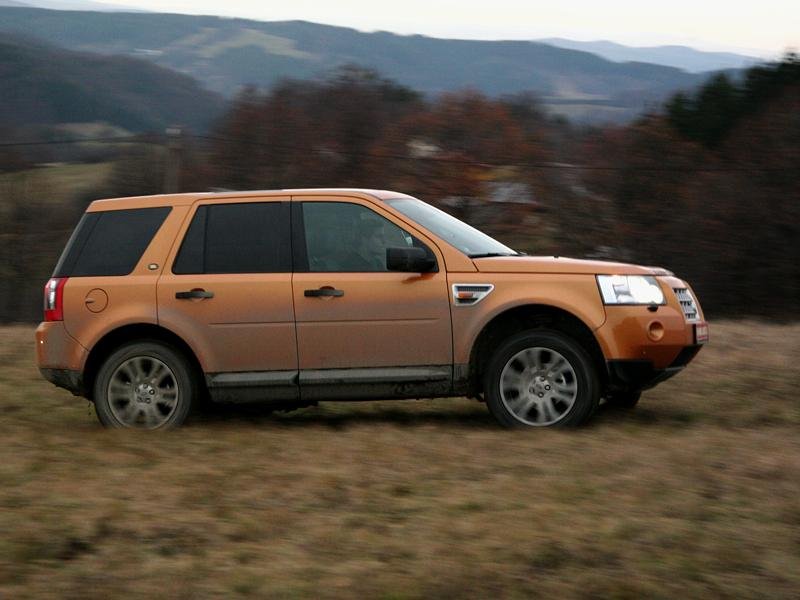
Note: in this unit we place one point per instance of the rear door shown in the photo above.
(357, 322)
(227, 291)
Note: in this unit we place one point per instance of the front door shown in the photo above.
(360, 326)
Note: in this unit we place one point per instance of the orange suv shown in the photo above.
(295, 296)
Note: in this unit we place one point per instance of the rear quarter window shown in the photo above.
(110, 242)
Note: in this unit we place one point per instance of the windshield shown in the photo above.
(469, 240)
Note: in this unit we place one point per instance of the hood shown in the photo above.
(558, 264)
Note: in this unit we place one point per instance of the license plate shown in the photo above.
(701, 333)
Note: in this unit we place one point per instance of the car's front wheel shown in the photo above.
(144, 385)
(541, 378)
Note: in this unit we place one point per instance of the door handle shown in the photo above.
(198, 293)
(324, 292)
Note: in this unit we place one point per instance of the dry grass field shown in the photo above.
(695, 494)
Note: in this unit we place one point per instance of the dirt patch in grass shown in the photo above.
(693, 494)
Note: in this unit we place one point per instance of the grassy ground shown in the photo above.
(696, 494)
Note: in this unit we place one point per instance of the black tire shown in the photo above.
(582, 377)
(623, 400)
(179, 380)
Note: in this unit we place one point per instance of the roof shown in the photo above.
(190, 198)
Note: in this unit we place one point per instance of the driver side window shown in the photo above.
(346, 237)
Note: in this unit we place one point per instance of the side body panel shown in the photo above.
(248, 324)
(115, 301)
(383, 319)
(576, 294)
(621, 331)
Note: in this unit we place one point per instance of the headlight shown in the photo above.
(630, 289)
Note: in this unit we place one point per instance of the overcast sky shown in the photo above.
(766, 27)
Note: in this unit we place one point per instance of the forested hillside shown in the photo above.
(225, 54)
(44, 85)
(712, 188)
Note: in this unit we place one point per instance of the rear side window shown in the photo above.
(110, 242)
(250, 237)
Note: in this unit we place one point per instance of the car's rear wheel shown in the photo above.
(145, 385)
(541, 378)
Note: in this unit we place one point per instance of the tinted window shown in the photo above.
(110, 242)
(349, 237)
(190, 256)
(250, 237)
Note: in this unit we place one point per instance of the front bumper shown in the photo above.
(635, 374)
(658, 334)
(645, 345)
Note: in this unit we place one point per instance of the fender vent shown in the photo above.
(467, 294)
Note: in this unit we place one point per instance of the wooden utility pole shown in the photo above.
(173, 166)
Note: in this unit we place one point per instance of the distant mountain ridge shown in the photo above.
(70, 5)
(42, 85)
(680, 57)
(225, 54)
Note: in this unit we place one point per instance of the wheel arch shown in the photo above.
(530, 316)
(131, 332)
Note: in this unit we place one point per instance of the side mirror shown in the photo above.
(409, 260)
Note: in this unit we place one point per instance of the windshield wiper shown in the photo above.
(492, 254)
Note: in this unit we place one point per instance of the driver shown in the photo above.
(369, 253)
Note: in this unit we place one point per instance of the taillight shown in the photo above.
(54, 299)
